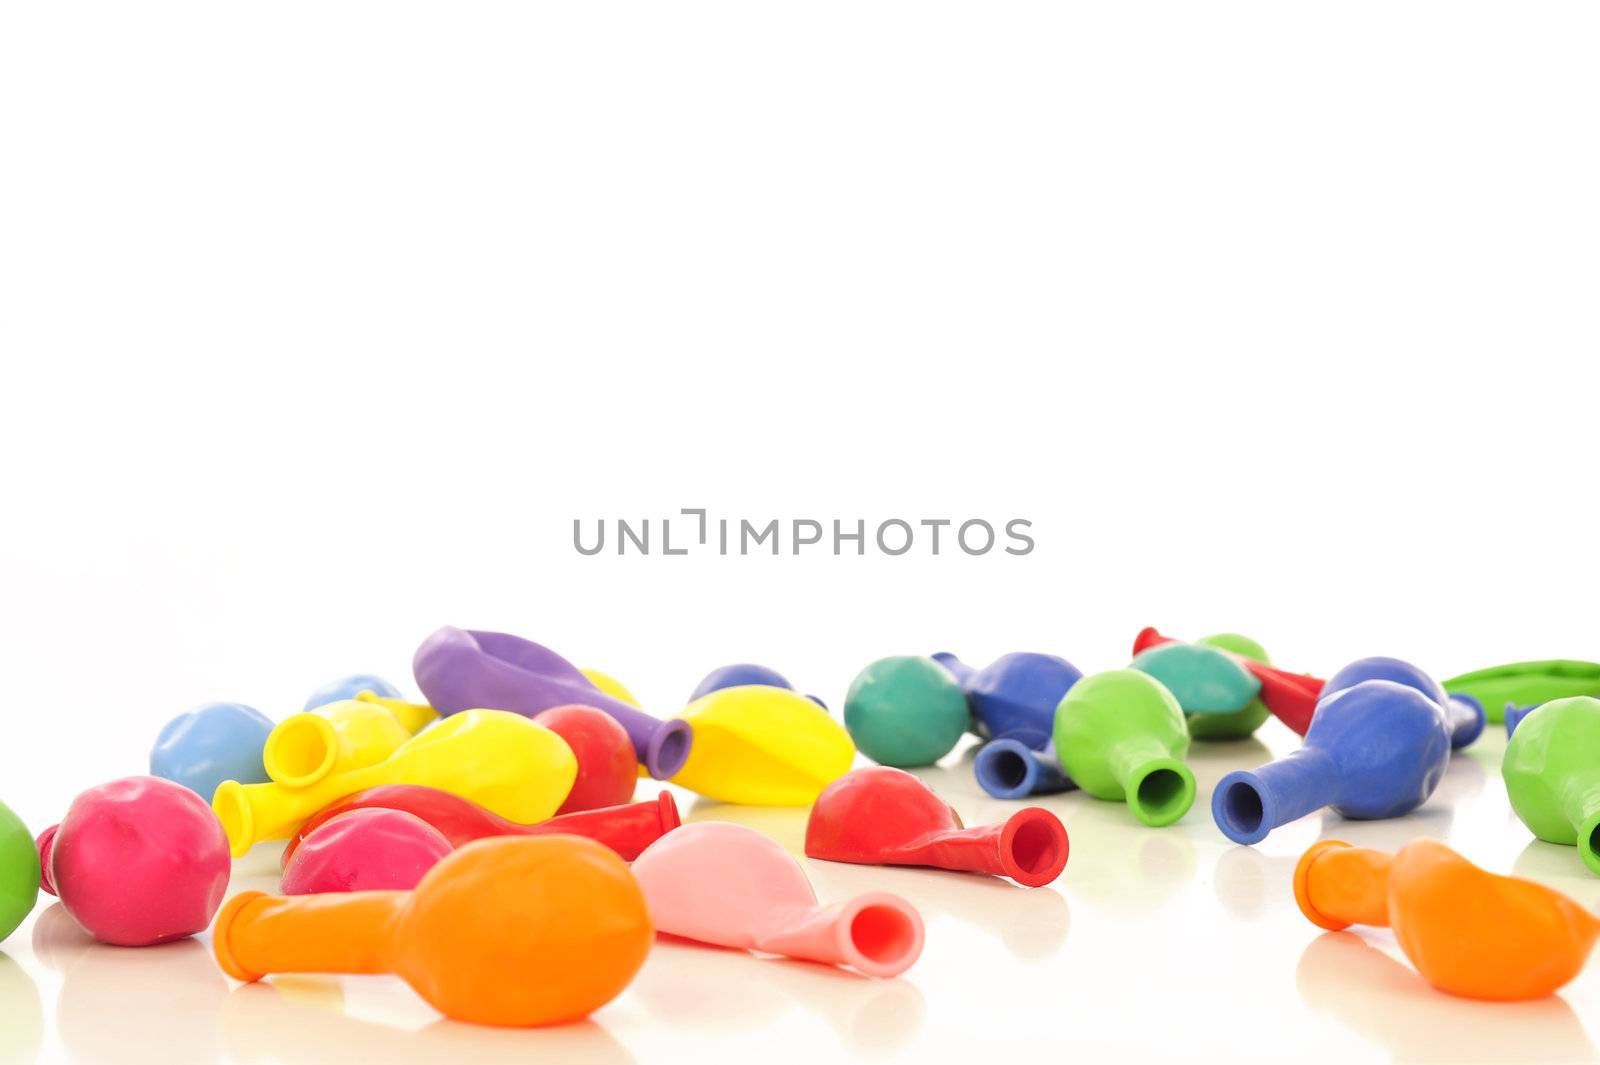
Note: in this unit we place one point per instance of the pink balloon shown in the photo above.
(369, 849)
(137, 861)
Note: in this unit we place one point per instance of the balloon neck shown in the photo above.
(257, 934)
(46, 844)
(413, 717)
(667, 748)
(1247, 806)
(1030, 847)
(1338, 885)
(301, 750)
(1149, 637)
(1158, 787)
(876, 934)
(1580, 803)
(1008, 769)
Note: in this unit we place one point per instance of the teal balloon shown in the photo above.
(1204, 680)
(905, 711)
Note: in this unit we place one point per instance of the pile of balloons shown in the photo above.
(490, 832)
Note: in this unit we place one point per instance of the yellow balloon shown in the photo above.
(763, 746)
(611, 686)
(336, 738)
(499, 760)
(413, 717)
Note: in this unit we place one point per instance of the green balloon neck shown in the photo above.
(1158, 787)
(1580, 805)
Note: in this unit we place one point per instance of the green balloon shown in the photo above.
(19, 871)
(1240, 723)
(1234, 726)
(1204, 680)
(1526, 684)
(1552, 771)
(1121, 736)
(1243, 646)
(905, 711)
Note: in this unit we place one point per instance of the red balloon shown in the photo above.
(883, 816)
(1292, 697)
(627, 829)
(607, 766)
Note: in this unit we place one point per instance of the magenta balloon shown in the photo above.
(138, 861)
(365, 850)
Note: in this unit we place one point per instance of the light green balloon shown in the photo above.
(1121, 736)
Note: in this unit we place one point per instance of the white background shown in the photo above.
(321, 322)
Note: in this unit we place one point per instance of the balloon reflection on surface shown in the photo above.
(21, 1015)
(1385, 1002)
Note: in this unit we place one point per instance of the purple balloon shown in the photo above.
(461, 669)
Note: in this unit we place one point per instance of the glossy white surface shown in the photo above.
(1153, 940)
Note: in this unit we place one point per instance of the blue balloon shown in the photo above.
(1515, 714)
(743, 673)
(210, 744)
(1374, 750)
(349, 687)
(1015, 696)
(1463, 714)
(1009, 769)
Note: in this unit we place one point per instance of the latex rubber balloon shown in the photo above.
(507, 931)
(137, 861)
(1242, 722)
(607, 772)
(19, 872)
(349, 688)
(209, 744)
(1527, 683)
(728, 885)
(628, 830)
(337, 737)
(1513, 717)
(611, 686)
(1291, 697)
(1468, 932)
(1375, 750)
(1464, 716)
(906, 711)
(741, 674)
(758, 745)
(1552, 774)
(499, 760)
(884, 816)
(1204, 680)
(1015, 696)
(365, 850)
(459, 669)
(1008, 769)
(1121, 736)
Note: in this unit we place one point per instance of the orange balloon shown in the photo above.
(508, 931)
(1468, 931)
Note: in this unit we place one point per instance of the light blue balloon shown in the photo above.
(349, 688)
(210, 744)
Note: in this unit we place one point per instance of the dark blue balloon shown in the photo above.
(1463, 714)
(1374, 750)
(1015, 696)
(1515, 714)
(1009, 769)
(743, 673)
(210, 744)
(956, 668)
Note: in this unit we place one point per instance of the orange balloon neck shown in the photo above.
(1338, 885)
(258, 934)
